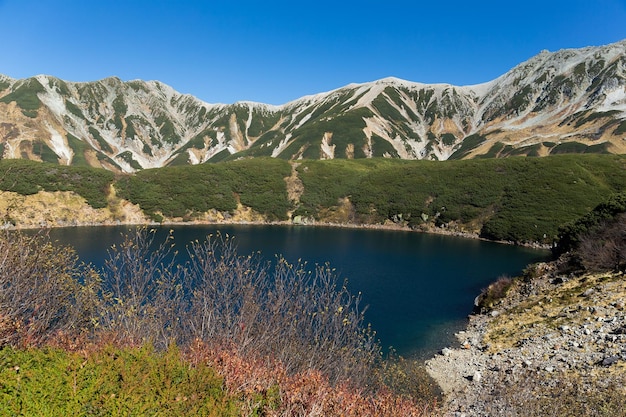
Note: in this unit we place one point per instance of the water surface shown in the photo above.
(419, 287)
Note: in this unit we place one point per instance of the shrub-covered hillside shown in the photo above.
(518, 199)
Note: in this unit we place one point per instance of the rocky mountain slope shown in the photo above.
(568, 101)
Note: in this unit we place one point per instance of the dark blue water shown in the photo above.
(419, 288)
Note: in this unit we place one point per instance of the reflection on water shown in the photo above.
(419, 288)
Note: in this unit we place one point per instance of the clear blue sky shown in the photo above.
(277, 51)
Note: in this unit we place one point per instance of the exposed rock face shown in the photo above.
(568, 101)
(63, 208)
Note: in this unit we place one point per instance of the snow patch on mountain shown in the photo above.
(281, 146)
(371, 92)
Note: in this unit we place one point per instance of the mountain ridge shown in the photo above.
(571, 100)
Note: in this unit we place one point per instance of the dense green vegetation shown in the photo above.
(128, 381)
(517, 199)
(467, 145)
(346, 130)
(186, 191)
(327, 182)
(79, 147)
(104, 146)
(4, 84)
(127, 156)
(25, 96)
(44, 152)
(29, 177)
(571, 234)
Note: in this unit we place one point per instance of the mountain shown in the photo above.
(573, 100)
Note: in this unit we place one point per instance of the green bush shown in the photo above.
(517, 199)
(513, 199)
(24, 94)
(29, 177)
(109, 381)
(569, 235)
(467, 145)
(78, 147)
(180, 191)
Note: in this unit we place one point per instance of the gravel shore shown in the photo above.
(552, 333)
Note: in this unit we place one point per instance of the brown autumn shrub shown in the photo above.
(304, 318)
(143, 291)
(44, 291)
(493, 293)
(266, 388)
(604, 248)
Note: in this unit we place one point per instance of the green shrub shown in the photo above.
(179, 191)
(467, 145)
(127, 156)
(109, 381)
(513, 199)
(24, 94)
(78, 147)
(569, 147)
(569, 235)
(29, 177)
(104, 146)
(42, 150)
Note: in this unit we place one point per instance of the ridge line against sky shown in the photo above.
(277, 51)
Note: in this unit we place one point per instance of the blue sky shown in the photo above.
(277, 51)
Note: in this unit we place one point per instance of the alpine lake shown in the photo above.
(419, 288)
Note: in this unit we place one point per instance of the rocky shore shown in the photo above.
(555, 343)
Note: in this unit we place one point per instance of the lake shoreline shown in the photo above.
(389, 226)
(526, 345)
(376, 261)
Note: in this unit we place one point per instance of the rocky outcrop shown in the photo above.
(553, 333)
(62, 209)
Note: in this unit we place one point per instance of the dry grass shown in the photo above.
(564, 394)
(545, 311)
